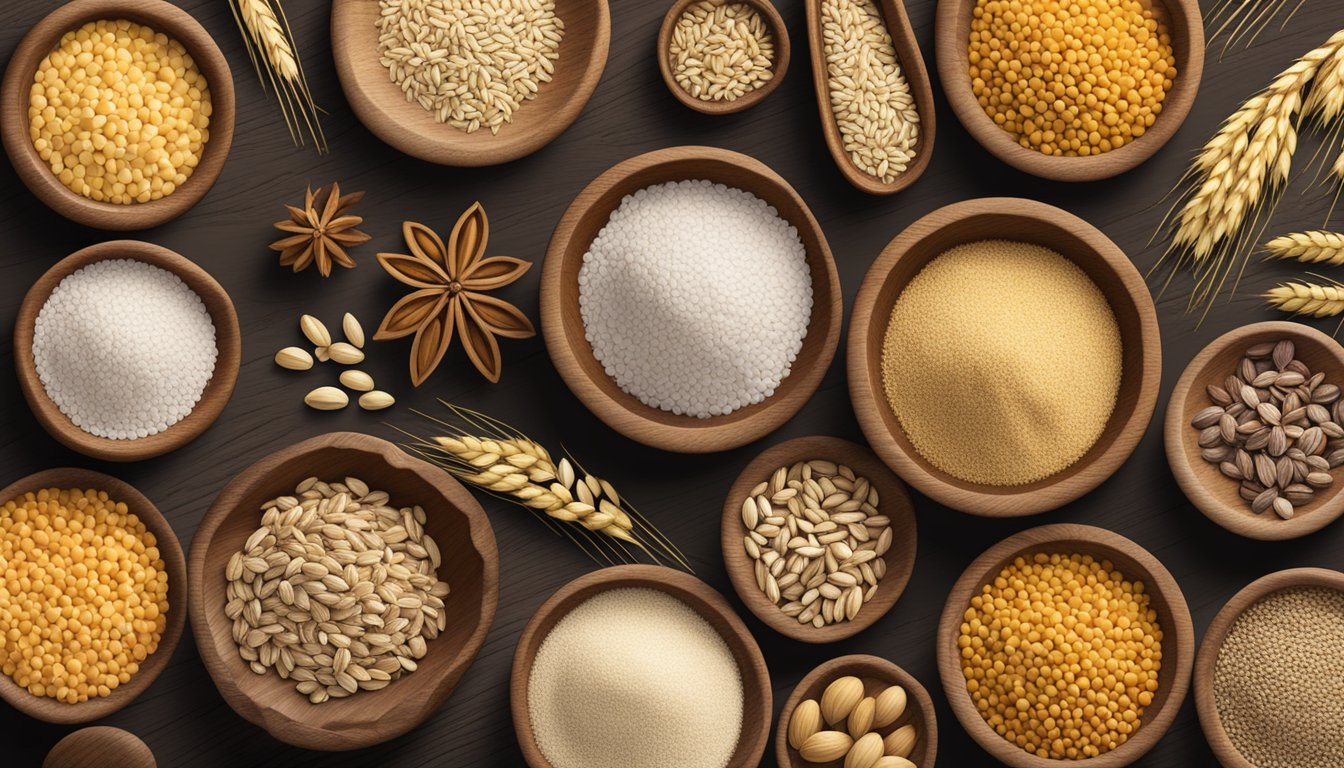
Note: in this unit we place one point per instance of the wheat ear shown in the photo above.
(1311, 299)
(260, 18)
(270, 46)
(1315, 247)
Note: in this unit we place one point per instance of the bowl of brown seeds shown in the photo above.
(722, 56)
(1253, 430)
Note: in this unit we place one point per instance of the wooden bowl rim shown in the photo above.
(36, 174)
(203, 616)
(228, 342)
(696, 594)
(1179, 436)
(101, 744)
(773, 21)
(1177, 630)
(899, 509)
(992, 501)
(175, 564)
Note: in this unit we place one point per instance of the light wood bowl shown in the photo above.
(773, 21)
(170, 550)
(952, 38)
(1132, 560)
(562, 324)
(213, 399)
(876, 674)
(1025, 221)
(406, 126)
(916, 75)
(470, 566)
(36, 173)
(894, 503)
(1207, 488)
(1205, 703)
(756, 697)
(99, 746)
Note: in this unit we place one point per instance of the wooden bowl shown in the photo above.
(213, 398)
(916, 75)
(572, 355)
(1026, 221)
(174, 562)
(952, 38)
(36, 173)
(470, 566)
(98, 746)
(383, 109)
(1136, 563)
(773, 21)
(876, 674)
(1207, 488)
(756, 697)
(1205, 703)
(894, 503)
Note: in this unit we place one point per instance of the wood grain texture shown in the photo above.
(783, 52)
(99, 746)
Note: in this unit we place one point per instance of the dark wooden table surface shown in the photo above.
(183, 718)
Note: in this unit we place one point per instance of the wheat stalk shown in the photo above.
(270, 45)
(1244, 20)
(1311, 299)
(1313, 247)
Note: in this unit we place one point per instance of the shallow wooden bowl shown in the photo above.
(876, 674)
(916, 75)
(470, 566)
(406, 126)
(1132, 560)
(894, 503)
(1209, 721)
(773, 21)
(99, 746)
(1207, 488)
(1024, 221)
(562, 324)
(952, 38)
(213, 398)
(696, 594)
(36, 173)
(174, 562)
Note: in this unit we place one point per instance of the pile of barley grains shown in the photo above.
(721, 51)
(1002, 361)
(470, 63)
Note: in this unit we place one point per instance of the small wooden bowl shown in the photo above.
(916, 75)
(562, 324)
(952, 38)
(213, 398)
(876, 674)
(470, 566)
(1205, 703)
(174, 562)
(1207, 488)
(756, 697)
(773, 21)
(1025, 221)
(36, 173)
(99, 746)
(894, 503)
(406, 126)
(1136, 563)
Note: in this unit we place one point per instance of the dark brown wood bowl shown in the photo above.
(470, 566)
(783, 50)
(99, 746)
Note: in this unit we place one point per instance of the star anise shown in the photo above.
(451, 294)
(321, 231)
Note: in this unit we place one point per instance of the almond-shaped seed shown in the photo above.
(1283, 353)
(1289, 379)
(1218, 395)
(1227, 428)
(1268, 413)
(1229, 470)
(861, 719)
(1283, 508)
(1264, 500)
(315, 331)
(376, 400)
(1207, 418)
(1221, 453)
(890, 706)
(1260, 351)
(839, 699)
(359, 381)
(1247, 371)
(327, 399)
(805, 721)
(1325, 394)
(901, 742)
(1286, 472)
(1265, 379)
(345, 354)
(354, 332)
(825, 746)
(1319, 479)
(294, 359)
(867, 750)
(750, 514)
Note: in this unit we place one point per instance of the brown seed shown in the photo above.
(1244, 463)
(1218, 454)
(1248, 371)
(1283, 508)
(1248, 396)
(1261, 350)
(1263, 501)
(1218, 395)
(1286, 473)
(1211, 436)
(1265, 470)
(1317, 413)
(1325, 393)
(1336, 457)
(1317, 463)
(1298, 493)
(1229, 469)
(1289, 379)
(1293, 431)
(1278, 442)
(1268, 413)
(1312, 441)
(1319, 479)
(1292, 416)
(1257, 441)
(1227, 427)
(1283, 353)
(1332, 430)
(1248, 491)
(1299, 367)
(1265, 379)
(1248, 427)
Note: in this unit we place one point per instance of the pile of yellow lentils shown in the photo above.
(1061, 655)
(83, 593)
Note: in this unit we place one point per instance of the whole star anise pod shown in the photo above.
(451, 295)
(320, 231)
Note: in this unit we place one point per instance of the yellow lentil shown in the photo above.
(119, 112)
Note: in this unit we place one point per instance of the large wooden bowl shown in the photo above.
(1184, 22)
(470, 566)
(916, 75)
(1137, 564)
(783, 50)
(876, 674)
(696, 594)
(1024, 221)
(36, 173)
(562, 324)
(383, 109)
(174, 562)
(1205, 703)
(893, 500)
(1207, 488)
(213, 398)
